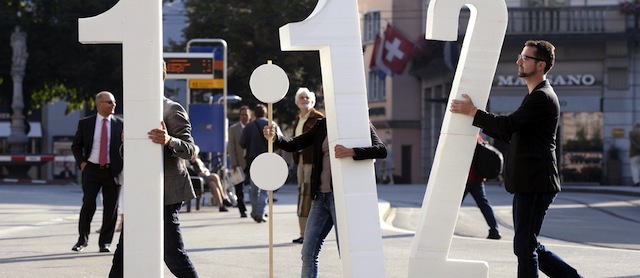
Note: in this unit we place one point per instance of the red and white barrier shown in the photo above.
(36, 158)
(28, 181)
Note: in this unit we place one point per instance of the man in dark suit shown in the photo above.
(95, 148)
(175, 135)
(254, 143)
(531, 170)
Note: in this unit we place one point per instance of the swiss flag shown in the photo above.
(396, 50)
(376, 60)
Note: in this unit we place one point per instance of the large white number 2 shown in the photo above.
(333, 28)
(137, 25)
(474, 75)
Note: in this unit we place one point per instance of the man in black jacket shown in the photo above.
(531, 170)
(322, 216)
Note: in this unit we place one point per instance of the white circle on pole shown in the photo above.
(269, 83)
(269, 171)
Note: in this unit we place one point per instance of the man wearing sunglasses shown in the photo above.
(531, 168)
(95, 148)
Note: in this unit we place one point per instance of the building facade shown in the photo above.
(596, 77)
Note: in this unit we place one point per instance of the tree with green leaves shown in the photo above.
(250, 29)
(58, 66)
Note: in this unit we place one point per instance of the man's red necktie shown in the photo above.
(102, 159)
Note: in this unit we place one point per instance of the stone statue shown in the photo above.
(18, 138)
(19, 46)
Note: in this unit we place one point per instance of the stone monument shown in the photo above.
(18, 138)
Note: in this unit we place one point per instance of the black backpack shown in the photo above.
(487, 161)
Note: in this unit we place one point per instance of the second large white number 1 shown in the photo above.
(474, 75)
(334, 29)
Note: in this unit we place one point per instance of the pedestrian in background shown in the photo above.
(95, 148)
(475, 186)
(196, 167)
(634, 153)
(305, 100)
(531, 171)
(254, 143)
(237, 153)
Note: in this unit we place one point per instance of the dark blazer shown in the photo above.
(177, 184)
(307, 154)
(314, 137)
(531, 165)
(252, 139)
(83, 141)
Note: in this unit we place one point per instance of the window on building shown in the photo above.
(546, 3)
(582, 142)
(371, 26)
(618, 79)
(377, 87)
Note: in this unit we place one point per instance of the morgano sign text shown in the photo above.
(556, 80)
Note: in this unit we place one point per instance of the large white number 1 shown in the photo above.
(333, 28)
(137, 25)
(474, 75)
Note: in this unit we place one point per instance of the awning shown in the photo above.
(35, 132)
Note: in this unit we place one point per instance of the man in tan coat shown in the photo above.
(236, 154)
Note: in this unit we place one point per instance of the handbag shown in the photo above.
(233, 177)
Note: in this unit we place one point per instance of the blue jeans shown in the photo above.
(322, 217)
(476, 188)
(258, 199)
(175, 257)
(529, 210)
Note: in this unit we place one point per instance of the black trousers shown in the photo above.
(175, 257)
(95, 178)
(240, 194)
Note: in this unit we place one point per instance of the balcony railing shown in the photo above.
(566, 21)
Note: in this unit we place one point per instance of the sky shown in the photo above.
(174, 20)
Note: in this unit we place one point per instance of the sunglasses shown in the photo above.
(524, 58)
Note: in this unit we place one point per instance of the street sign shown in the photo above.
(206, 83)
(189, 65)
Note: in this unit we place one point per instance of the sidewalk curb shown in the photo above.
(601, 190)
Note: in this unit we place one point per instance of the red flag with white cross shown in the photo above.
(396, 50)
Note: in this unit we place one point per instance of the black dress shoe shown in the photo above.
(298, 240)
(243, 214)
(227, 203)
(260, 219)
(494, 235)
(223, 209)
(105, 249)
(78, 247)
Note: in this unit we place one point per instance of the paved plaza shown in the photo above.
(38, 227)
